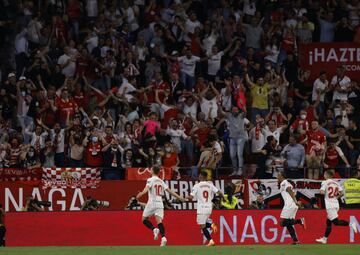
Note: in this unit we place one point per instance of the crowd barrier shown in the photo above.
(116, 228)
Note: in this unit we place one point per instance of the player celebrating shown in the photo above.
(291, 205)
(332, 191)
(204, 192)
(155, 207)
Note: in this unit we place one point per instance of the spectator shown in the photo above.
(259, 204)
(294, 155)
(112, 162)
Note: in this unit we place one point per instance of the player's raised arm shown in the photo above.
(174, 194)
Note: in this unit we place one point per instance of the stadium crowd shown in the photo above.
(177, 83)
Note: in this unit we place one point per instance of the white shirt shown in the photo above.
(204, 193)
(188, 65)
(68, 70)
(214, 63)
(129, 88)
(156, 191)
(288, 201)
(21, 43)
(92, 43)
(92, 8)
(331, 189)
(60, 144)
(225, 99)
(38, 139)
(256, 144)
(275, 134)
(191, 25)
(319, 85)
(191, 109)
(205, 106)
(344, 84)
(273, 57)
(176, 135)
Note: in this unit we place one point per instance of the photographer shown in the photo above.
(2, 226)
(93, 205)
(34, 205)
(229, 201)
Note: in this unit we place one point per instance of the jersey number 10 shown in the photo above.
(158, 189)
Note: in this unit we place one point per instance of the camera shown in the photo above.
(34, 205)
(92, 204)
(133, 204)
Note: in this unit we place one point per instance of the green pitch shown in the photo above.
(190, 250)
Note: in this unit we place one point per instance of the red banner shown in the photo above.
(13, 194)
(137, 174)
(328, 56)
(20, 174)
(125, 228)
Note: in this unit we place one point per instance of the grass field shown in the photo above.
(190, 250)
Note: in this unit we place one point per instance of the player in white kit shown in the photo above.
(332, 191)
(291, 205)
(155, 188)
(204, 192)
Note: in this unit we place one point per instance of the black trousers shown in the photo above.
(2, 235)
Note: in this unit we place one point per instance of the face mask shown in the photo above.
(303, 116)
(113, 149)
(31, 154)
(168, 149)
(94, 139)
(23, 93)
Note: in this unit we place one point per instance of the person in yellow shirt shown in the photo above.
(259, 92)
(229, 201)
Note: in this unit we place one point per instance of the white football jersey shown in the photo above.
(156, 191)
(331, 189)
(204, 193)
(288, 201)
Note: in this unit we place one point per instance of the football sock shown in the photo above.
(162, 229)
(338, 222)
(206, 234)
(291, 230)
(148, 224)
(328, 228)
(208, 225)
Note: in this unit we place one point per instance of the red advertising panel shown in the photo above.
(117, 193)
(236, 227)
(328, 56)
(137, 174)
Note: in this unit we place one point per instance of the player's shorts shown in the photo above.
(201, 219)
(332, 213)
(288, 212)
(151, 210)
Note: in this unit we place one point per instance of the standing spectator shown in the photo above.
(238, 135)
(315, 148)
(112, 162)
(327, 26)
(294, 155)
(260, 96)
(67, 63)
(333, 154)
(93, 151)
(321, 86)
(340, 84)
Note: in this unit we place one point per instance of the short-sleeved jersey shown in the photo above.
(204, 193)
(156, 191)
(288, 201)
(331, 189)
